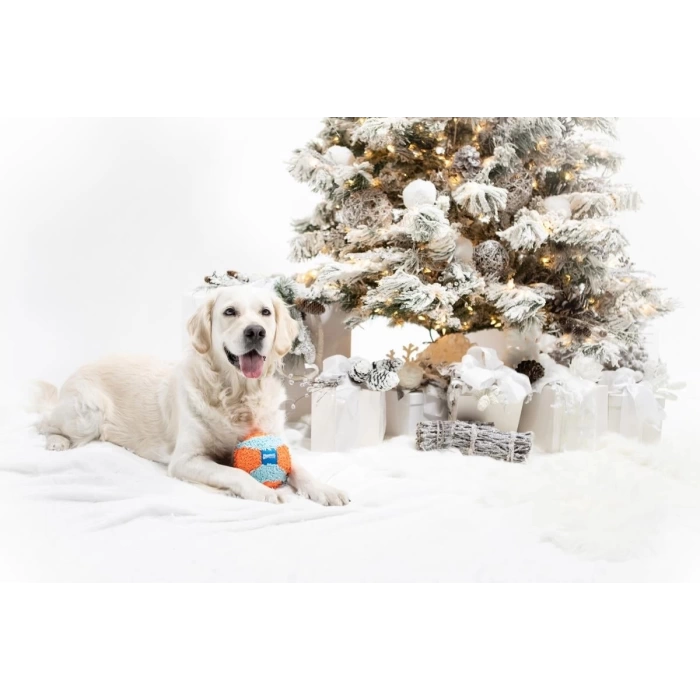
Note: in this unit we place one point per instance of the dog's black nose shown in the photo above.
(253, 333)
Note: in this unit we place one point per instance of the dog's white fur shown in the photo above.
(189, 416)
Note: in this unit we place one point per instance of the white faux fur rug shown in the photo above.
(626, 512)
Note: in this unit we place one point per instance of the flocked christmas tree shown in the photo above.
(461, 224)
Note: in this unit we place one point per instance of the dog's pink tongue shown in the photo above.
(251, 364)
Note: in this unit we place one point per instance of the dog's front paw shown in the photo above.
(258, 492)
(324, 494)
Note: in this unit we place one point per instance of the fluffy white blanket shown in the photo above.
(626, 512)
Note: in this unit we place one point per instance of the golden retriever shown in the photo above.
(192, 415)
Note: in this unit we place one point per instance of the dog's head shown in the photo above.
(246, 327)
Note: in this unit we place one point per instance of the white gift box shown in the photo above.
(504, 416)
(637, 429)
(633, 409)
(330, 337)
(405, 410)
(559, 427)
(482, 378)
(343, 418)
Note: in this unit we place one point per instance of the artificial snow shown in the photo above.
(626, 512)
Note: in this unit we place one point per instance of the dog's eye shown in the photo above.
(230, 311)
(266, 312)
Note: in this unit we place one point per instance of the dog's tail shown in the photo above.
(42, 397)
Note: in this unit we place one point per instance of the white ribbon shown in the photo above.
(481, 370)
(576, 408)
(639, 405)
(336, 367)
(572, 389)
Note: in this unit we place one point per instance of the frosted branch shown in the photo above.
(480, 199)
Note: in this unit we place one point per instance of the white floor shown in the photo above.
(626, 512)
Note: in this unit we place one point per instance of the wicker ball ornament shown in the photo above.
(532, 369)
(491, 259)
(367, 208)
(310, 306)
(519, 186)
(467, 161)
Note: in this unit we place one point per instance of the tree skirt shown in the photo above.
(626, 512)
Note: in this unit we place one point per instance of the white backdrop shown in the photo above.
(105, 223)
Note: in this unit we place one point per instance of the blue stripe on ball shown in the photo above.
(269, 472)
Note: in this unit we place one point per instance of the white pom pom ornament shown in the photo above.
(419, 192)
(410, 376)
(465, 251)
(557, 204)
(340, 155)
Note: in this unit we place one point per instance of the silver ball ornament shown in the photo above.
(491, 259)
(368, 207)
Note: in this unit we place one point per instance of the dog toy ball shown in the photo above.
(265, 457)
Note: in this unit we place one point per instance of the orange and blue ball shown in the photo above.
(265, 457)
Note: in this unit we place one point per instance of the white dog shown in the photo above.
(191, 416)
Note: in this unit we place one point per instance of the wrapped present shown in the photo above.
(484, 390)
(344, 414)
(330, 337)
(405, 409)
(633, 409)
(648, 431)
(567, 410)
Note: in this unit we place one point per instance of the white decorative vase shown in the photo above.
(403, 413)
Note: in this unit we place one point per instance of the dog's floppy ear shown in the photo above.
(286, 330)
(199, 327)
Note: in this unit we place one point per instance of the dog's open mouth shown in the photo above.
(250, 364)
